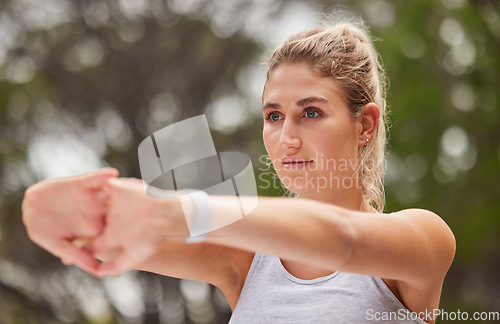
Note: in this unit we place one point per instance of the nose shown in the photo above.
(289, 137)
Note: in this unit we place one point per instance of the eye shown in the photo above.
(273, 116)
(311, 113)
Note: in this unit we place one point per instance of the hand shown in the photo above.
(55, 212)
(135, 225)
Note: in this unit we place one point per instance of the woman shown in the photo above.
(329, 256)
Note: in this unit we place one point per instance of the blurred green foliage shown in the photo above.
(83, 82)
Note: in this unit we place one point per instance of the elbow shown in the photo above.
(444, 243)
(448, 246)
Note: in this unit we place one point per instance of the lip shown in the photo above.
(293, 162)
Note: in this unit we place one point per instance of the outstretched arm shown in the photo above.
(410, 246)
(413, 247)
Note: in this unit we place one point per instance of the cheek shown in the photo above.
(269, 142)
(337, 140)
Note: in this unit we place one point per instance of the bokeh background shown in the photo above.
(82, 83)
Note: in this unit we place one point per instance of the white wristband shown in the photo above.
(200, 223)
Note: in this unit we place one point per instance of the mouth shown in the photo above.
(295, 164)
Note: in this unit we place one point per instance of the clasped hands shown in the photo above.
(98, 216)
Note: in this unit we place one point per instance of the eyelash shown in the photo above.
(269, 114)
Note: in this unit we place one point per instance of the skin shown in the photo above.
(321, 232)
(314, 124)
(45, 211)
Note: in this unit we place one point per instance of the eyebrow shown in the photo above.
(310, 100)
(301, 102)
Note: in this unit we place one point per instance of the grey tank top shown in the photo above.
(272, 295)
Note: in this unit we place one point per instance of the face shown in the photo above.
(309, 133)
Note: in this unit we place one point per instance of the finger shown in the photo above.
(89, 225)
(125, 261)
(103, 197)
(95, 180)
(99, 247)
(85, 243)
(117, 183)
(66, 261)
(132, 180)
(102, 246)
(73, 255)
(106, 256)
(126, 183)
(113, 187)
(82, 242)
(114, 190)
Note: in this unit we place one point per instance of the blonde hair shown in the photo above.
(345, 53)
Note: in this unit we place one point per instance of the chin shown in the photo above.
(299, 186)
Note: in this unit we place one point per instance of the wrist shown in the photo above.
(172, 220)
(197, 211)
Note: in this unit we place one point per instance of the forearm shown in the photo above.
(178, 259)
(174, 257)
(295, 229)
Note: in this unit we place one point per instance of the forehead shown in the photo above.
(297, 80)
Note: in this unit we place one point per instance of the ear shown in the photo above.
(368, 121)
